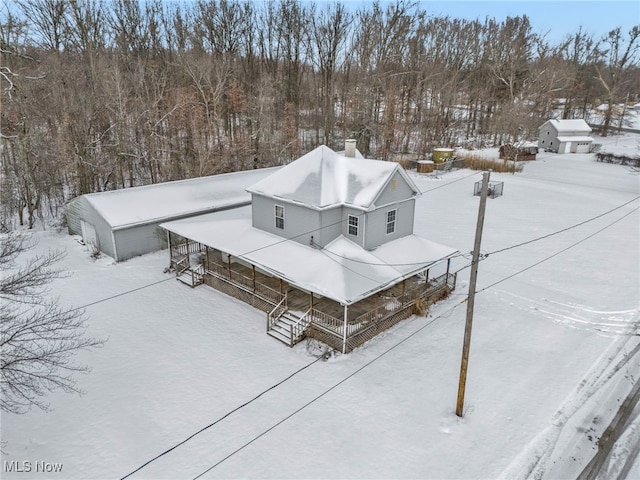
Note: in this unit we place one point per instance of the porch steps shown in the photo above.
(281, 330)
(191, 276)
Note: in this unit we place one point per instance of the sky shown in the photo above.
(555, 18)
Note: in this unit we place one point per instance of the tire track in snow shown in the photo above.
(537, 457)
(608, 323)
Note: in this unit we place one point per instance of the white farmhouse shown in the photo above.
(327, 250)
(565, 136)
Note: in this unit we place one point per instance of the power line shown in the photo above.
(381, 264)
(344, 220)
(562, 230)
(561, 251)
(443, 315)
(318, 397)
(400, 343)
(450, 183)
(220, 419)
(120, 294)
(260, 248)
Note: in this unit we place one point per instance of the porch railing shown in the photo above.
(390, 312)
(297, 330)
(273, 315)
(186, 248)
(228, 274)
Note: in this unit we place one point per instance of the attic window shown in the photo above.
(353, 225)
(280, 217)
(394, 184)
(391, 221)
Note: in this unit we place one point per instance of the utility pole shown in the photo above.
(472, 294)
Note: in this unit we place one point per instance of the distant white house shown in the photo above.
(327, 249)
(125, 223)
(565, 136)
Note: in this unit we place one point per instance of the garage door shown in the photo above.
(89, 236)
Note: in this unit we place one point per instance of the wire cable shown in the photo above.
(559, 252)
(220, 419)
(450, 183)
(121, 294)
(562, 230)
(381, 264)
(333, 387)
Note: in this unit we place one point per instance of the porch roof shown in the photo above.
(342, 271)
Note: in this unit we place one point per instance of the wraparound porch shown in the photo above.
(294, 313)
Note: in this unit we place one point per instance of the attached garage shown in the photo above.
(578, 144)
(125, 223)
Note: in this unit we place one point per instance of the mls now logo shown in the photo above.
(26, 466)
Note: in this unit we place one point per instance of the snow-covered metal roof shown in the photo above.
(164, 201)
(569, 126)
(323, 178)
(342, 271)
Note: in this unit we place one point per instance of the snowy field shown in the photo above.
(554, 354)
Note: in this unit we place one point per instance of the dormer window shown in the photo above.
(391, 221)
(353, 225)
(279, 217)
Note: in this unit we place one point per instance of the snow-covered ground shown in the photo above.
(553, 356)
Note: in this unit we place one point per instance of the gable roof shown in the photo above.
(165, 201)
(323, 179)
(569, 126)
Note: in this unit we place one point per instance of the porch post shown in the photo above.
(206, 256)
(426, 277)
(280, 285)
(253, 267)
(311, 299)
(403, 286)
(187, 247)
(169, 246)
(229, 264)
(344, 336)
(448, 265)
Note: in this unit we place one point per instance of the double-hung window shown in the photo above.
(279, 217)
(391, 221)
(353, 225)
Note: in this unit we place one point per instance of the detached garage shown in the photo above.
(565, 136)
(124, 223)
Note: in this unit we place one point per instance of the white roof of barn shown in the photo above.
(569, 126)
(323, 178)
(342, 271)
(165, 201)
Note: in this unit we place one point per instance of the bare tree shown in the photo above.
(329, 31)
(620, 60)
(38, 337)
(48, 19)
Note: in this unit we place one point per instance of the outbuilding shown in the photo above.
(125, 223)
(565, 136)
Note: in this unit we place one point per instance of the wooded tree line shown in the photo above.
(100, 95)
